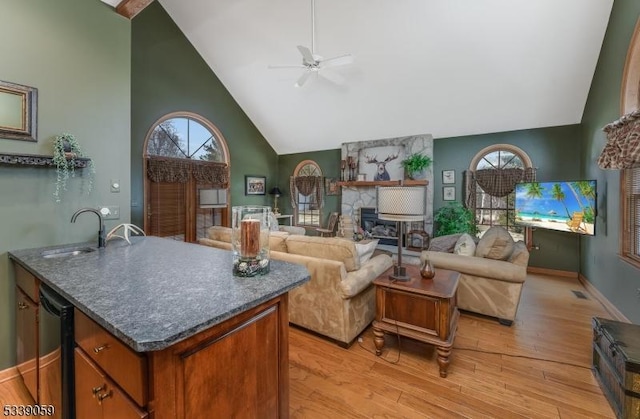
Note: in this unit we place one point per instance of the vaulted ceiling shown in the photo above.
(441, 67)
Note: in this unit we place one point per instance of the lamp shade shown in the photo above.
(275, 191)
(213, 198)
(401, 203)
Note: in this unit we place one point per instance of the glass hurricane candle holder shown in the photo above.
(250, 240)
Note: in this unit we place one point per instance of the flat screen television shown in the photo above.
(562, 206)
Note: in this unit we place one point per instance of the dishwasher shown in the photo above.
(56, 344)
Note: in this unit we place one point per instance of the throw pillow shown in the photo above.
(444, 243)
(365, 250)
(465, 246)
(496, 243)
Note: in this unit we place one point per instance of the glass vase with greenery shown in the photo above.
(454, 218)
(66, 151)
(415, 165)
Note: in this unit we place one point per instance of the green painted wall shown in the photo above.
(555, 153)
(616, 280)
(169, 75)
(77, 54)
(329, 162)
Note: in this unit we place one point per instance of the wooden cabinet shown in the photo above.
(97, 396)
(27, 341)
(424, 310)
(616, 364)
(238, 368)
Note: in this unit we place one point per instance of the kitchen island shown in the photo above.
(166, 324)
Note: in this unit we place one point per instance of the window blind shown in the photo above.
(631, 242)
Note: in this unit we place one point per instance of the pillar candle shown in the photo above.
(249, 238)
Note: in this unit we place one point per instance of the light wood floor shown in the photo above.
(492, 373)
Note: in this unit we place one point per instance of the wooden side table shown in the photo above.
(421, 309)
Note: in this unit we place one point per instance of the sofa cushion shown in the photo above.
(520, 254)
(220, 233)
(333, 248)
(365, 250)
(277, 239)
(496, 243)
(444, 243)
(465, 246)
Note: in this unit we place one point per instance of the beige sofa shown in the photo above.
(492, 278)
(339, 300)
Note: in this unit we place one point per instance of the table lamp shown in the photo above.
(276, 193)
(400, 204)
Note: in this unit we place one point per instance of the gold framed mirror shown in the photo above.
(18, 111)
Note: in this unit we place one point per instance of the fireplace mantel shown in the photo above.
(368, 183)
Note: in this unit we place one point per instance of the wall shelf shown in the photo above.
(37, 160)
(361, 183)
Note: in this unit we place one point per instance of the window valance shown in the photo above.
(306, 186)
(622, 150)
(495, 182)
(170, 170)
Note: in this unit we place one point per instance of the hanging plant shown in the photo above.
(66, 151)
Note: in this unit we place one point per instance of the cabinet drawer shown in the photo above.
(27, 282)
(97, 396)
(125, 366)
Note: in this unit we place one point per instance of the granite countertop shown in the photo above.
(157, 292)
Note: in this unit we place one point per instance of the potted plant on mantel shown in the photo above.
(66, 151)
(416, 165)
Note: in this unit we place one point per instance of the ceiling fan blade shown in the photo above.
(303, 79)
(336, 61)
(286, 66)
(306, 54)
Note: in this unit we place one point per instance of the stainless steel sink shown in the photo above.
(67, 251)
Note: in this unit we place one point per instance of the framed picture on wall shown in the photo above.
(449, 193)
(448, 176)
(255, 185)
(330, 186)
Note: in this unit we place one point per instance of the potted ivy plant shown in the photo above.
(66, 151)
(416, 165)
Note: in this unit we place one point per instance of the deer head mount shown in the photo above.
(381, 172)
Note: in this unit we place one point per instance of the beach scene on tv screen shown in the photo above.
(563, 206)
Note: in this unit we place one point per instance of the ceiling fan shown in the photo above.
(313, 63)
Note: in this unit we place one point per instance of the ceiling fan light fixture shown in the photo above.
(312, 62)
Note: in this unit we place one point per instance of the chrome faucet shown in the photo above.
(101, 238)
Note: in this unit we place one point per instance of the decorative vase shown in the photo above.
(418, 175)
(250, 240)
(427, 271)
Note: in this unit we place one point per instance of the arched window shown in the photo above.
(186, 170)
(306, 193)
(491, 180)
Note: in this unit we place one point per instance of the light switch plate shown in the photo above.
(115, 185)
(110, 212)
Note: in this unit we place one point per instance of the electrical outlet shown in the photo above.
(110, 212)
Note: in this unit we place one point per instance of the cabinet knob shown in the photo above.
(99, 349)
(103, 396)
(97, 390)
(22, 305)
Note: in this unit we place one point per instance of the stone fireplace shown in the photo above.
(358, 196)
